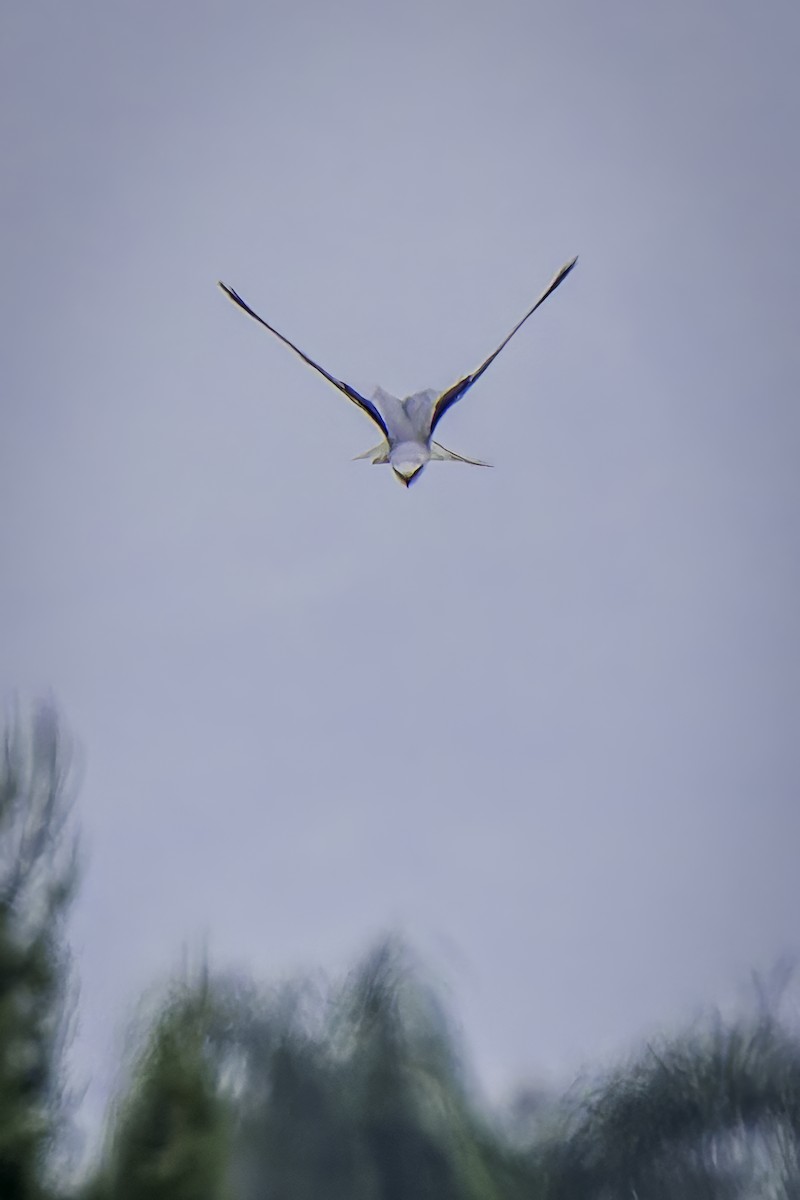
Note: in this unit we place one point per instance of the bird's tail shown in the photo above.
(442, 454)
(381, 452)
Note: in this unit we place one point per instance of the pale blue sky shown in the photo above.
(543, 718)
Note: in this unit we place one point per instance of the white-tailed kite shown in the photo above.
(407, 425)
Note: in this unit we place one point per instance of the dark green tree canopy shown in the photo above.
(37, 880)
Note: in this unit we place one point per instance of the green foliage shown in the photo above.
(171, 1135)
(356, 1093)
(711, 1114)
(37, 876)
(26, 989)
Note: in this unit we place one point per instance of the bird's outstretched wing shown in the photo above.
(454, 393)
(365, 405)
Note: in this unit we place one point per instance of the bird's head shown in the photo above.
(407, 473)
(407, 461)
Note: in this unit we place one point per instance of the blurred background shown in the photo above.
(541, 720)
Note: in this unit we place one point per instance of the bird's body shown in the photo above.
(407, 425)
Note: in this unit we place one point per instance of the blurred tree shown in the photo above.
(405, 1077)
(715, 1114)
(357, 1093)
(170, 1137)
(37, 879)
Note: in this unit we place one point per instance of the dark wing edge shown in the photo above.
(361, 401)
(454, 393)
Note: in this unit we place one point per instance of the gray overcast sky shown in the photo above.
(543, 718)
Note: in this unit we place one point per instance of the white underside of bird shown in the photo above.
(408, 425)
(409, 446)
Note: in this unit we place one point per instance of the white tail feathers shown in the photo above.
(440, 453)
(381, 452)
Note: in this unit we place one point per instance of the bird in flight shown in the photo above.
(407, 426)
